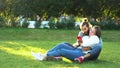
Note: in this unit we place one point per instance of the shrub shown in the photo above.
(15, 23)
(66, 23)
(25, 23)
(108, 24)
(71, 23)
(37, 24)
(52, 23)
(61, 24)
(1, 21)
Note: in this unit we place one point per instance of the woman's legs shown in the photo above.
(65, 50)
(61, 46)
(70, 54)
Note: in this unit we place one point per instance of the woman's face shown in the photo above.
(92, 31)
(84, 29)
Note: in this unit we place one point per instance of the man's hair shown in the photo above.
(87, 25)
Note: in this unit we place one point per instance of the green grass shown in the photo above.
(16, 45)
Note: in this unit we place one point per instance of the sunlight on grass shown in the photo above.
(23, 50)
(20, 49)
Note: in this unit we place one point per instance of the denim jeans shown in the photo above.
(65, 50)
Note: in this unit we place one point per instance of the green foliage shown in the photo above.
(52, 23)
(66, 23)
(1, 21)
(48, 8)
(2, 5)
(25, 23)
(37, 24)
(62, 24)
(71, 23)
(97, 8)
(109, 24)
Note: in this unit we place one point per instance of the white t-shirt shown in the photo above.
(90, 41)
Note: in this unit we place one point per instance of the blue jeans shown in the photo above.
(65, 50)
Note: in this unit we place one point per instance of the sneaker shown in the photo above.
(38, 56)
(54, 58)
(79, 59)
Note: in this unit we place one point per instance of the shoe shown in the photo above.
(54, 58)
(79, 59)
(38, 56)
(35, 55)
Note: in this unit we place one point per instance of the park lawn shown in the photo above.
(16, 45)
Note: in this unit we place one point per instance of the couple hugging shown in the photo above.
(87, 47)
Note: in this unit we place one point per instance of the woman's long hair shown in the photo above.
(98, 30)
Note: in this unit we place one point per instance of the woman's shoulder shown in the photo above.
(94, 37)
(86, 36)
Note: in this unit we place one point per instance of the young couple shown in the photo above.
(87, 48)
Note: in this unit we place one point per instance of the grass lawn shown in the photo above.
(16, 45)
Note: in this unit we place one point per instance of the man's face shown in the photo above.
(84, 29)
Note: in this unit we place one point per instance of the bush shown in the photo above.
(15, 23)
(52, 23)
(25, 23)
(62, 24)
(1, 21)
(109, 24)
(37, 24)
(71, 23)
(66, 23)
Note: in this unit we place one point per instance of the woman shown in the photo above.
(68, 51)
